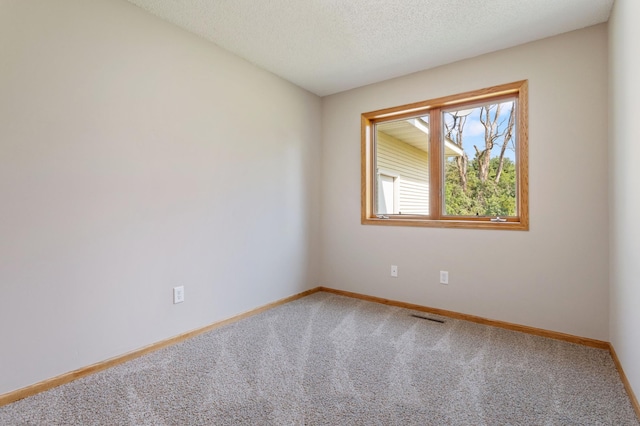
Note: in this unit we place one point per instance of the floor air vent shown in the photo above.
(427, 318)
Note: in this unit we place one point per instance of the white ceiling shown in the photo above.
(328, 46)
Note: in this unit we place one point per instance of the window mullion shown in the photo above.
(435, 164)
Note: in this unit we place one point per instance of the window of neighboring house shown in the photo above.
(388, 192)
(458, 161)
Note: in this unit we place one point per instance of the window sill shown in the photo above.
(449, 223)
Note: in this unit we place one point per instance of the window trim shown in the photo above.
(437, 218)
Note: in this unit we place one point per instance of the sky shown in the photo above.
(474, 130)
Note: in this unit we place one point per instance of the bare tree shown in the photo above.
(498, 132)
(494, 130)
(454, 132)
(508, 136)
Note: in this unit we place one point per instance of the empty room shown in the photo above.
(319, 212)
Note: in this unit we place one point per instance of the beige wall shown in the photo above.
(135, 157)
(554, 276)
(624, 33)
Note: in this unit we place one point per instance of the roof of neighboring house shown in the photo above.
(415, 132)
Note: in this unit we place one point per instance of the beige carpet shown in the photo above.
(331, 360)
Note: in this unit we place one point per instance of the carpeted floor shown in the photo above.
(332, 360)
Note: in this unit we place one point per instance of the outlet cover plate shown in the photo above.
(178, 294)
(444, 277)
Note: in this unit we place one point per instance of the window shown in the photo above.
(458, 161)
(388, 192)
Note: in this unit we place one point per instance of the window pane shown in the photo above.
(402, 167)
(480, 173)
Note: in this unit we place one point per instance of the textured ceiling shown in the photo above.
(327, 46)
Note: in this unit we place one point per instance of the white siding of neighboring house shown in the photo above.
(410, 164)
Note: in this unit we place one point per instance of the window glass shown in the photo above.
(480, 170)
(402, 166)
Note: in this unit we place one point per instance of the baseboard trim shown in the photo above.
(625, 381)
(45, 385)
(451, 314)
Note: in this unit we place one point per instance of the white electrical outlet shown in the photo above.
(178, 294)
(444, 277)
(394, 271)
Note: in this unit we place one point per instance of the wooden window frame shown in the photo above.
(436, 218)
